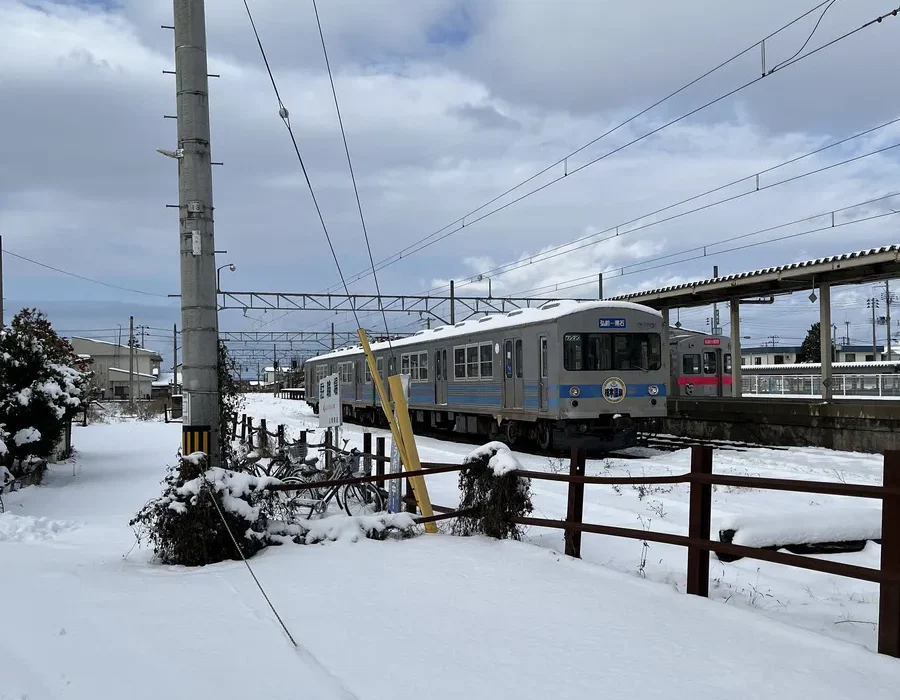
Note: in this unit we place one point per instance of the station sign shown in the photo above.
(712, 341)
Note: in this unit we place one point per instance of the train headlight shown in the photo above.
(574, 391)
(653, 390)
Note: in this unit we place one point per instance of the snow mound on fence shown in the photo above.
(810, 527)
(500, 460)
(25, 528)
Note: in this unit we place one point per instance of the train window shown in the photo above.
(727, 361)
(423, 366)
(404, 364)
(572, 351)
(486, 352)
(595, 352)
(368, 372)
(710, 363)
(690, 363)
(471, 362)
(459, 363)
(379, 366)
(444, 359)
(413, 366)
(437, 365)
(543, 357)
(507, 351)
(518, 358)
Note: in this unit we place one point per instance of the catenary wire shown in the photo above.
(425, 242)
(362, 219)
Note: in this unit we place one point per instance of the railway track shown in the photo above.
(672, 443)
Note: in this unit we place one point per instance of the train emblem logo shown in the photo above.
(614, 390)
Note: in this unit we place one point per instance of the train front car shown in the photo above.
(612, 377)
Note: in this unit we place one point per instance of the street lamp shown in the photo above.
(231, 267)
(482, 278)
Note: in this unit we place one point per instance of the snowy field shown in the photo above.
(86, 616)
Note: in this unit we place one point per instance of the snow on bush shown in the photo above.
(39, 390)
(185, 524)
(489, 486)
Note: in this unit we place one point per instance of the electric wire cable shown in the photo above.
(362, 219)
(424, 243)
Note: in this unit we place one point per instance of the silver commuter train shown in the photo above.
(567, 372)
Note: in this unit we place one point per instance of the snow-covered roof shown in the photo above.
(115, 345)
(548, 311)
(165, 379)
(750, 369)
(137, 375)
(782, 273)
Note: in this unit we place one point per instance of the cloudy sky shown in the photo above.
(447, 104)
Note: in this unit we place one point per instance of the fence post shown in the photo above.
(263, 435)
(233, 425)
(576, 503)
(328, 454)
(889, 595)
(280, 431)
(166, 413)
(699, 521)
(380, 450)
(249, 432)
(244, 427)
(367, 449)
(410, 494)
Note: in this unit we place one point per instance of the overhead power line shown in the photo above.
(82, 277)
(462, 222)
(705, 252)
(615, 231)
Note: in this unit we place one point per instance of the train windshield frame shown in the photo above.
(612, 352)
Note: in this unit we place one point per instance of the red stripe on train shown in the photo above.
(703, 381)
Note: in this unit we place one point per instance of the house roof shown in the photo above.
(770, 349)
(138, 375)
(118, 346)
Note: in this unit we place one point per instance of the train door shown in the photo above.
(440, 377)
(513, 375)
(542, 382)
(359, 376)
(712, 370)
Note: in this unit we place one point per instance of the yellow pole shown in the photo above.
(403, 436)
(379, 386)
(420, 490)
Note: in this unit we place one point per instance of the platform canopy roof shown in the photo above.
(861, 267)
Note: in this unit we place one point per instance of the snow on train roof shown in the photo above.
(548, 311)
(781, 369)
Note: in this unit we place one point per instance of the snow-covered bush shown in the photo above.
(185, 524)
(39, 390)
(489, 485)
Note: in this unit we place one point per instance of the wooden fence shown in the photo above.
(697, 541)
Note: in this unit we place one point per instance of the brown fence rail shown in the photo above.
(701, 479)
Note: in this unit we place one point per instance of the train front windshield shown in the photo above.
(604, 352)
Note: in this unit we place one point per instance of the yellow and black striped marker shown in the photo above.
(194, 438)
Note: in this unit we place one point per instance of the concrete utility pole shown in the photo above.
(716, 328)
(825, 338)
(1, 281)
(131, 360)
(332, 336)
(175, 358)
(873, 304)
(199, 315)
(887, 302)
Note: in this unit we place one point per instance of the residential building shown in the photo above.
(110, 364)
(770, 355)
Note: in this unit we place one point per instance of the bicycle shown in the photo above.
(355, 499)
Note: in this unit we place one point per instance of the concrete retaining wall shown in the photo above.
(854, 426)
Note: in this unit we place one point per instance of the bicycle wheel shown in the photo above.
(362, 499)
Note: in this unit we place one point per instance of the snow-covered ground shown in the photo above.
(835, 606)
(86, 616)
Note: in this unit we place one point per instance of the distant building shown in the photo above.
(770, 355)
(166, 384)
(109, 362)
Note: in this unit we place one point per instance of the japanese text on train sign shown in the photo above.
(612, 323)
(330, 401)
